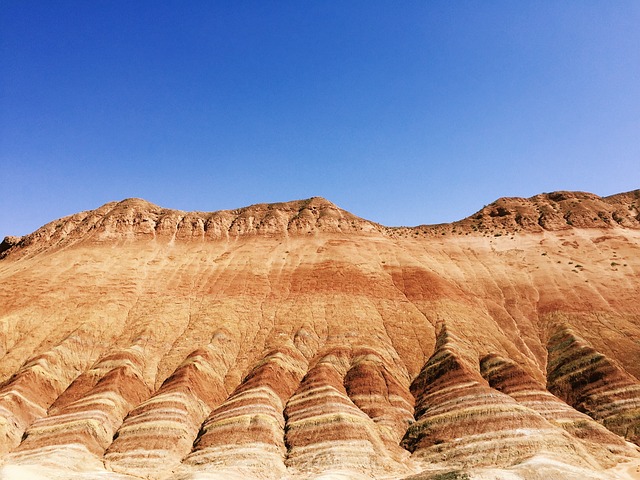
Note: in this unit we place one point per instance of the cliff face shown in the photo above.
(297, 340)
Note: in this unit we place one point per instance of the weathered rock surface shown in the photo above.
(160, 431)
(296, 340)
(247, 430)
(463, 422)
(82, 422)
(326, 430)
(594, 384)
(508, 377)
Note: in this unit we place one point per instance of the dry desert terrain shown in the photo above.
(298, 341)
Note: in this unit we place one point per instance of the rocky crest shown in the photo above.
(134, 218)
(557, 211)
(8, 243)
(298, 341)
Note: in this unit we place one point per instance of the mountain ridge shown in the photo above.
(135, 217)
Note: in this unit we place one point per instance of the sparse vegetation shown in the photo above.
(453, 475)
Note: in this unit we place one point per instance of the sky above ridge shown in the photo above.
(403, 113)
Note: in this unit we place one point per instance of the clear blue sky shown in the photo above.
(400, 112)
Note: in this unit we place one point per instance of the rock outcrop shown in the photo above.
(508, 377)
(82, 422)
(160, 431)
(558, 211)
(463, 422)
(594, 384)
(246, 432)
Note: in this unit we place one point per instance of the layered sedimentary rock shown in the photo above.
(594, 384)
(160, 431)
(325, 429)
(247, 430)
(462, 421)
(373, 386)
(26, 395)
(508, 377)
(82, 422)
(297, 341)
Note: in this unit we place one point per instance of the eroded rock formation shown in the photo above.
(296, 340)
(594, 384)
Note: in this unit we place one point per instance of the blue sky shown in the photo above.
(401, 112)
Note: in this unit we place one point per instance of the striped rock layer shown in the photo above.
(325, 428)
(508, 377)
(594, 384)
(298, 341)
(161, 430)
(464, 422)
(84, 419)
(250, 423)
